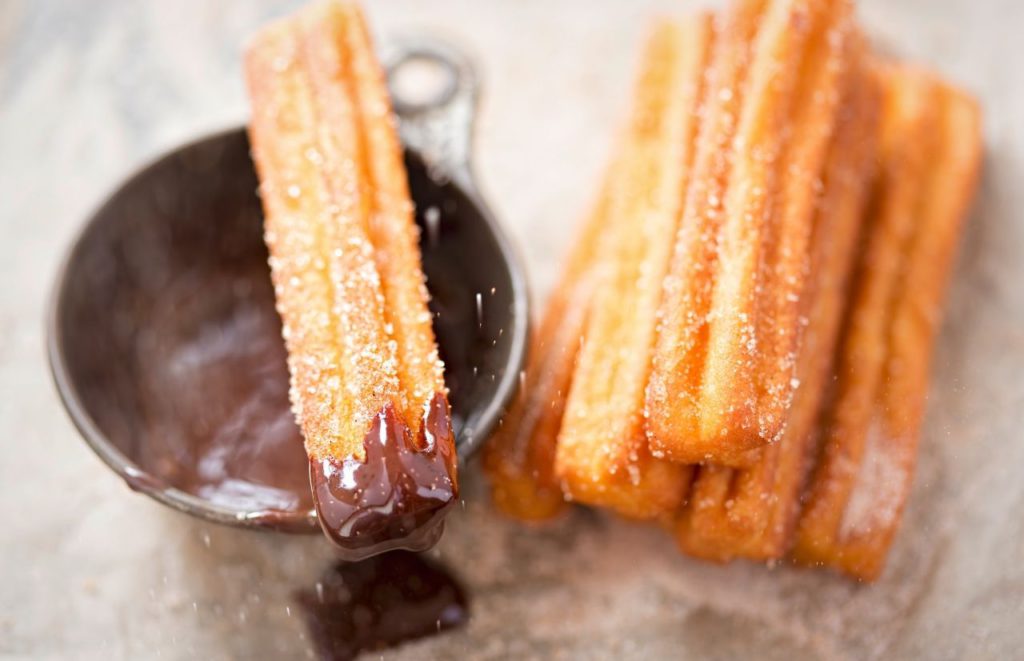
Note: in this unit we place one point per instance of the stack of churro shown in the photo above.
(930, 157)
(367, 385)
(749, 315)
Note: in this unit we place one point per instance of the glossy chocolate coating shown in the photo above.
(398, 495)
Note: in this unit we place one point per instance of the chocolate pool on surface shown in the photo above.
(379, 603)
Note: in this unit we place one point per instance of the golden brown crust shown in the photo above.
(344, 254)
(673, 397)
(826, 73)
(735, 417)
(392, 229)
(930, 158)
(725, 362)
(520, 458)
(848, 179)
(602, 456)
(750, 512)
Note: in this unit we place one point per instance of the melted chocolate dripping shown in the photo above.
(397, 497)
(379, 603)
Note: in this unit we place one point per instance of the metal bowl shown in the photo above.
(162, 324)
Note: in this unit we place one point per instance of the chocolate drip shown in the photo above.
(396, 498)
(379, 603)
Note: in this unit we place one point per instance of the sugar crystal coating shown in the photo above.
(343, 246)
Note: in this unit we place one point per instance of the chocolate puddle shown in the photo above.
(398, 496)
(379, 603)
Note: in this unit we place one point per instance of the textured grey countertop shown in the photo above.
(89, 90)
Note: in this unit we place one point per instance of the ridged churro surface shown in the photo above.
(673, 397)
(602, 456)
(756, 296)
(750, 512)
(725, 365)
(348, 282)
(519, 459)
(930, 157)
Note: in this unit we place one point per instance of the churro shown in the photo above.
(367, 383)
(751, 512)
(930, 157)
(750, 288)
(724, 369)
(672, 407)
(520, 457)
(602, 456)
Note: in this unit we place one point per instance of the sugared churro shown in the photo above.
(930, 157)
(751, 512)
(602, 456)
(367, 384)
(520, 458)
(746, 181)
(673, 403)
(724, 370)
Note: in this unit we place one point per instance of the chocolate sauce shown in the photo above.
(379, 603)
(397, 497)
(216, 414)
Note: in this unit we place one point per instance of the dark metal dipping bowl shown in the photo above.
(165, 345)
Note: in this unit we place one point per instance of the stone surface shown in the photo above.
(89, 570)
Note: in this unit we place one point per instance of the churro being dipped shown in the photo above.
(520, 458)
(367, 383)
(751, 512)
(930, 157)
(602, 456)
(724, 369)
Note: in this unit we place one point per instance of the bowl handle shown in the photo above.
(434, 91)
